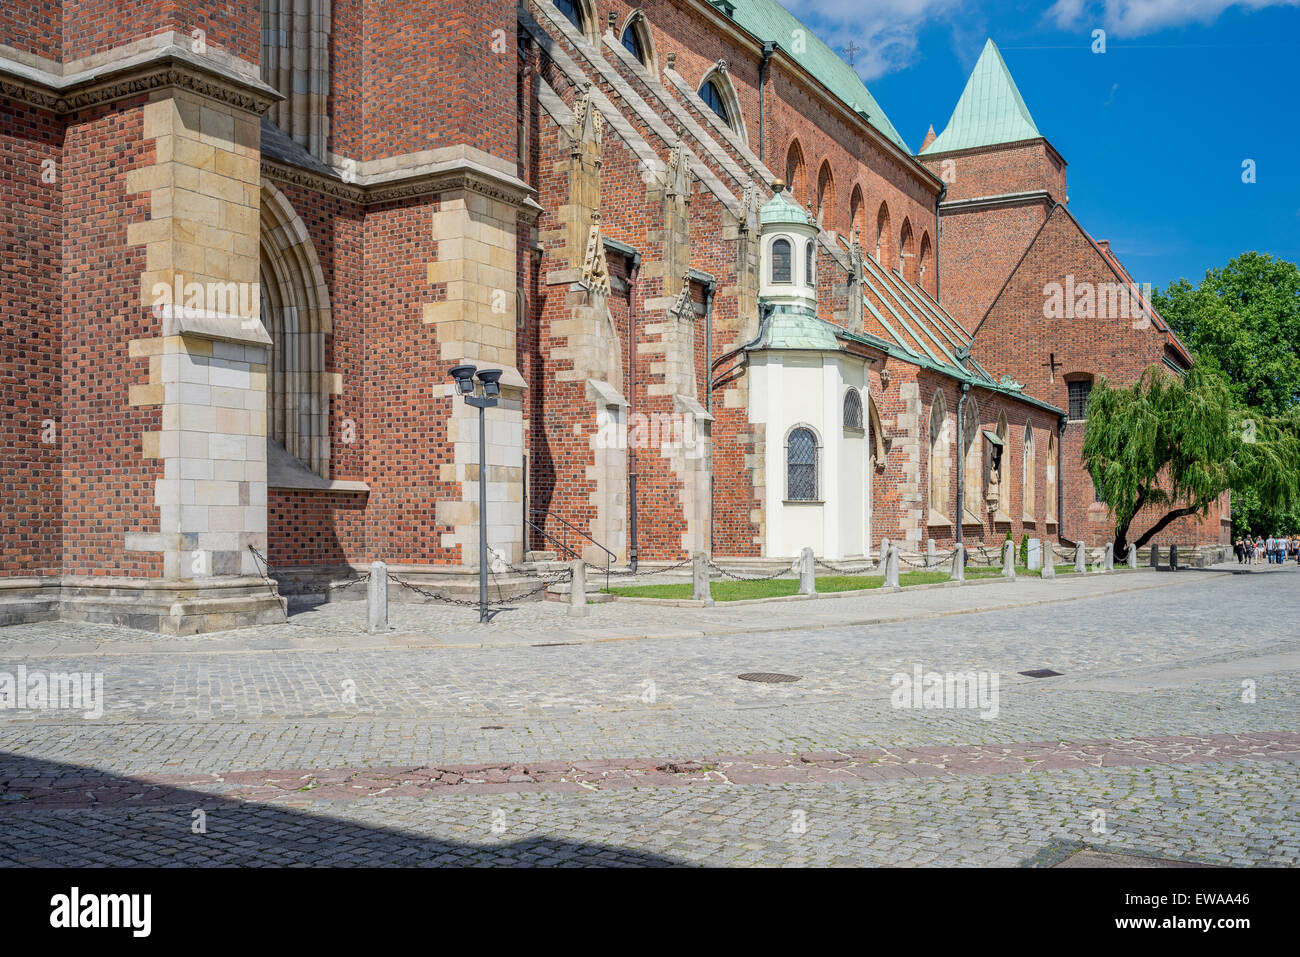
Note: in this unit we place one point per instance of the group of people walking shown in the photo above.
(1275, 549)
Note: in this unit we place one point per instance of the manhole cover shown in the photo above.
(768, 677)
(1041, 673)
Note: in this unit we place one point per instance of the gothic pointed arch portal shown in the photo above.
(296, 312)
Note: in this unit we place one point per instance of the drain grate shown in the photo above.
(492, 727)
(556, 644)
(768, 677)
(1041, 673)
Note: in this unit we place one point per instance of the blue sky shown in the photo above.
(1155, 130)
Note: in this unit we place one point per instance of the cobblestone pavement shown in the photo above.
(340, 625)
(1170, 731)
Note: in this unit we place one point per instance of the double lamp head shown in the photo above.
(465, 375)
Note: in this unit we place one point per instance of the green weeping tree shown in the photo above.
(1174, 444)
(1244, 321)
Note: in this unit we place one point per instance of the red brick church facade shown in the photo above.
(244, 243)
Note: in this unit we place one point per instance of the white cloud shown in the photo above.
(1135, 18)
(884, 32)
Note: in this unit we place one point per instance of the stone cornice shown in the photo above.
(166, 67)
(453, 176)
(992, 202)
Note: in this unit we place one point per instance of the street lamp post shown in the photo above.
(483, 399)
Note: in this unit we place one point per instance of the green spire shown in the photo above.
(990, 110)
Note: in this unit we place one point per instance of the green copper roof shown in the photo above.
(990, 110)
(781, 209)
(790, 327)
(768, 20)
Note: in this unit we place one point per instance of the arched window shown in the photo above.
(796, 177)
(712, 98)
(826, 196)
(883, 238)
(781, 261)
(810, 264)
(858, 214)
(572, 10)
(940, 453)
(853, 410)
(925, 268)
(972, 457)
(636, 40)
(1000, 491)
(720, 96)
(1028, 486)
(1051, 478)
(295, 308)
(907, 252)
(801, 465)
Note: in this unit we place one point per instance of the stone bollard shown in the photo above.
(1108, 558)
(958, 563)
(1132, 556)
(1008, 559)
(884, 550)
(807, 574)
(1048, 560)
(891, 567)
(929, 553)
(377, 598)
(578, 589)
(700, 579)
(1080, 560)
(1155, 556)
(1173, 558)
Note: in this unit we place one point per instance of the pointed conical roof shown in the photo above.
(929, 138)
(990, 110)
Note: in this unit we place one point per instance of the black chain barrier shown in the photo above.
(842, 570)
(265, 568)
(742, 578)
(474, 603)
(926, 565)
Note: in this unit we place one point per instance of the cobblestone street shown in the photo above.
(1170, 730)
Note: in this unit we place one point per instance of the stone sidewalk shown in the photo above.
(1169, 731)
(340, 626)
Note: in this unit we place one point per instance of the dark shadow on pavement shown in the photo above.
(64, 815)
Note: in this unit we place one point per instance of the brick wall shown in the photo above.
(31, 336)
(93, 26)
(1017, 338)
(108, 485)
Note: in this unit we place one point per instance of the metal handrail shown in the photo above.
(554, 541)
(608, 554)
